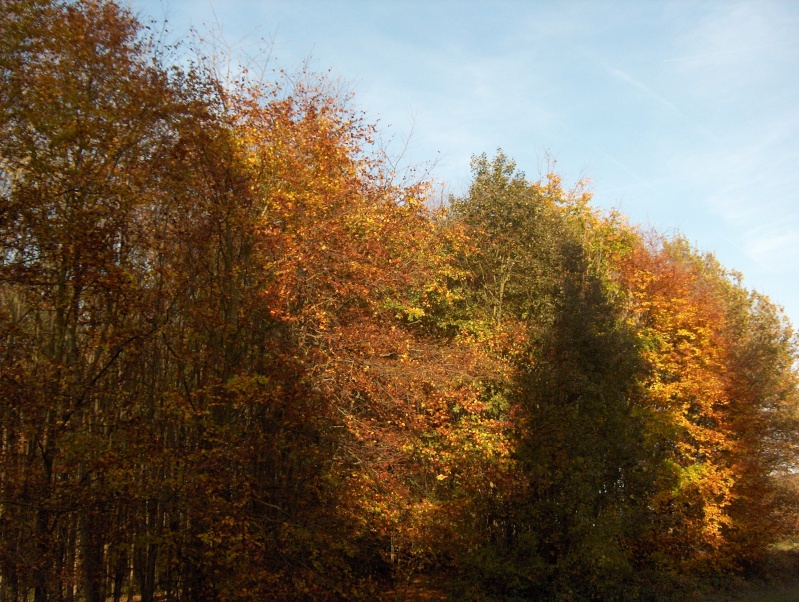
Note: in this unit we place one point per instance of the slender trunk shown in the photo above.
(71, 558)
(145, 556)
(130, 573)
(40, 574)
(120, 564)
(92, 552)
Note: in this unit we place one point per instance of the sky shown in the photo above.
(683, 115)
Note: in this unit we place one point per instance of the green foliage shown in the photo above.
(516, 230)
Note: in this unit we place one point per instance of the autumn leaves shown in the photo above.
(239, 361)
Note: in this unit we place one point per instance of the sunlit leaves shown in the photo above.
(691, 315)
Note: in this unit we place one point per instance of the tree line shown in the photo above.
(240, 359)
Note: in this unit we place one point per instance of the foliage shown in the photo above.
(239, 361)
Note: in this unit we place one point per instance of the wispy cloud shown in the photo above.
(642, 87)
(723, 54)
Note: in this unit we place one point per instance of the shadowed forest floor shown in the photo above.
(779, 583)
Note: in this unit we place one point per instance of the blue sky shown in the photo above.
(684, 115)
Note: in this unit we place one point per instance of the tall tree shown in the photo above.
(579, 448)
(720, 404)
(83, 121)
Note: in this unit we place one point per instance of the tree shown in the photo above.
(719, 405)
(83, 121)
(568, 514)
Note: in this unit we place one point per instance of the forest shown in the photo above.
(242, 358)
